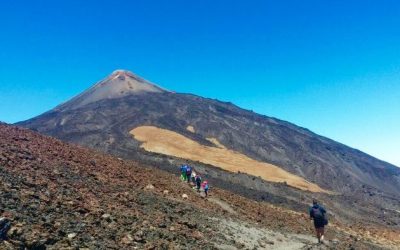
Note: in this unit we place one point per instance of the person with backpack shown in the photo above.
(183, 172)
(188, 173)
(205, 187)
(318, 215)
(198, 182)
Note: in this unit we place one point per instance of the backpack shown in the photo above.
(317, 213)
(325, 219)
(188, 170)
(183, 168)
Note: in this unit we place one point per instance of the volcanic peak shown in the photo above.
(122, 74)
(119, 84)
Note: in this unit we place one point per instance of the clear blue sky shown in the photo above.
(330, 66)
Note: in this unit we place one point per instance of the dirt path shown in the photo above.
(242, 235)
(222, 204)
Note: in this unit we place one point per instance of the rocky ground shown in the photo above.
(61, 196)
(364, 208)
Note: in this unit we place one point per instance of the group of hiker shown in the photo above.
(318, 214)
(189, 175)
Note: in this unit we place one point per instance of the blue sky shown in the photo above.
(330, 66)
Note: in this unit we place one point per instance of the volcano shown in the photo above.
(258, 156)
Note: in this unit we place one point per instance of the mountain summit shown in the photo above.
(119, 84)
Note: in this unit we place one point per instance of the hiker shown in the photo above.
(183, 172)
(198, 182)
(188, 173)
(5, 225)
(193, 177)
(205, 187)
(318, 214)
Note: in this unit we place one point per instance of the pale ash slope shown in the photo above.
(119, 84)
(170, 143)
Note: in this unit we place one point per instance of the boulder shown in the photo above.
(149, 187)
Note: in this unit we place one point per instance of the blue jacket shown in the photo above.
(183, 169)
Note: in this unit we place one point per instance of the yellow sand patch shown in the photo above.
(170, 143)
(191, 129)
(215, 142)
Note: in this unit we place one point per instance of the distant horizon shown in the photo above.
(332, 68)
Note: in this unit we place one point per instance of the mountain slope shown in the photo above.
(170, 143)
(359, 187)
(105, 124)
(61, 196)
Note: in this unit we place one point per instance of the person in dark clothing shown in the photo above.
(318, 215)
(198, 182)
(188, 173)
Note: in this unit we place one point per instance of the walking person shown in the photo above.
(188, 173)
(205, 187)
(183, 172)
(318, 215)
(198, 182)
(193, 177)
